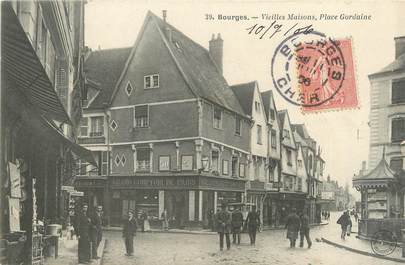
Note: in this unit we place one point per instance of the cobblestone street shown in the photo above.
(271, 248)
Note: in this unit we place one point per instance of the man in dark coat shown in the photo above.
(344, 221)
(83, 234)
(128, 233)
(253, 222)
(96, 231)
(237, 223)
(304, 230)
(223, 220)
(293, 226)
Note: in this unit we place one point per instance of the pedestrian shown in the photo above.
(83, 235)
(304, 230)
(146, 223)
(293, 226)
(349, 226)
(344, 221)
(142, 218)
(211, 220)
(223, 220)
(165, 220)
(128, 233)
(96, 231)
(237, 223)
(252, 223)
(356, 216)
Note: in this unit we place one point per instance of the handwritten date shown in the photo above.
(277, 28)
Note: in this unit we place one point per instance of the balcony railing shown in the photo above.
(143, 165)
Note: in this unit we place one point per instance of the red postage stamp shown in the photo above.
(315, 72)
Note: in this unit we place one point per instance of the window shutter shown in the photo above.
(398, 91)
(141, 111)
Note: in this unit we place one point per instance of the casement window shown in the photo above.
(299, 184)
(103, 169)
(256, 165)
(286, 134)
(141, 116)
(398, 129)
(143, 160)
(238, 125)
(242, 170)
(225, 167)
(398, 91)
(164, 163)
(187, 162)
(396, 164)
(96, 126)
(271, 175)
(259, 134)
(151, 81)
(272, 114)
(234, 167)
(299, 162)
(217, 118)
(215, 161)
(257, 106)
(82, 167)
(273, 135)
(84, 126)
(289, 158)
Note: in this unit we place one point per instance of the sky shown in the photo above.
(343, 135)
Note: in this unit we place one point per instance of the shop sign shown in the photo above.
(178, 182)
(93, 183)
(77, 193)
(68, 188)
(153, 182)
(15, 182)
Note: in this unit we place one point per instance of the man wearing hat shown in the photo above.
(224, 226)
(128, 233)
(83, 235)
(293, 226)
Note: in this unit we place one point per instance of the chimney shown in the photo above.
(216, 47)
(399, 46)
(167, 29)
(164, 14)
(328, 178)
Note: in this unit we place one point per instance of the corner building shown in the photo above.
(177, 137)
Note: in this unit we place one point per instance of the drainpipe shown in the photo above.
(106, 189)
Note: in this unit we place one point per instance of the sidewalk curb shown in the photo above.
(361, 251)
(102, 252)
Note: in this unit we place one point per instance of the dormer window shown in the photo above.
(151, 81)
(128, 89)
(257, 106)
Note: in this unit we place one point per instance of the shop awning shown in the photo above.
(78, 150)
(20, 62)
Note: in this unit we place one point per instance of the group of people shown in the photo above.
(298, 224)
(227, 223)
(88, 229)
(326, 215)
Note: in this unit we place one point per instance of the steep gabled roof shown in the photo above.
(195, 64)
(299, 139)
(398, 64)
(104, 67)
(301, 129)
(281, 115)
(245, 92)
(267, 96)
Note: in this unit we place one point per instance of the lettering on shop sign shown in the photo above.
(167, 182)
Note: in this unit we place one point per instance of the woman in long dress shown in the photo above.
(146, 222)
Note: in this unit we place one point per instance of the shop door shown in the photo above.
(127, 205)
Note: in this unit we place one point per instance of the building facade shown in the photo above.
(168, 132)
(381, 186)
(42, 78)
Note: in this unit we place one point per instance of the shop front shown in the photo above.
(190, 201)
(286, 202)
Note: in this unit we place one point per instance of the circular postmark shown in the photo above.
(308, 69)
(384, 242)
